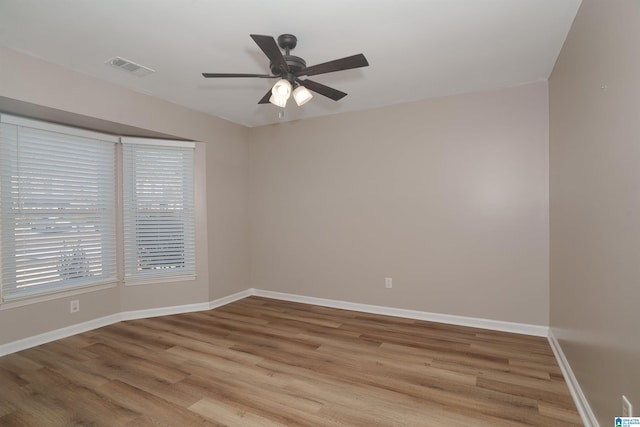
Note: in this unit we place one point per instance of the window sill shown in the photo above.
(158, 280)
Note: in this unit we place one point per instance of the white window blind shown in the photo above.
(159, 213)
(57, 208)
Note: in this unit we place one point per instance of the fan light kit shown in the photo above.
(289, 69)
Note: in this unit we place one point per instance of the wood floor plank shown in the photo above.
(264, 362)
(259, 400)
(69, 394)
(557, 412)
(18, 419)
(155, 409)
(230, 415)
(79, 373)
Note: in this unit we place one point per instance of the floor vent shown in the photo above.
(129, 66)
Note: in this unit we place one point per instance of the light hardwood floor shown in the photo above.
(263, 362)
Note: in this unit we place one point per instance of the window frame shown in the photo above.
(52, 186)
(163, 275)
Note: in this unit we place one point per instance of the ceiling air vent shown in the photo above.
(129, 66)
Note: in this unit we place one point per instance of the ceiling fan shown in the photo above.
(290, 68)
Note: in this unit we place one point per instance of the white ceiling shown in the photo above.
(416, 49)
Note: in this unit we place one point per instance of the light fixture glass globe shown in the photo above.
(282, 89)
(278, 101)
(302, 95)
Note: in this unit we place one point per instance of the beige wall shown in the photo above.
(221, 188)
(595, 203)
(227, 210)
(448, 196)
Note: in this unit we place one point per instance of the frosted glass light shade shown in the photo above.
(282, 89)
(302, 95)
(280, 93)
(278, 101)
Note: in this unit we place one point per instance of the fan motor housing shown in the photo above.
(295, 64)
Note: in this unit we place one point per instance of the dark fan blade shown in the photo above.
(327, 91)
(355, 61)
(265, 98)
(262, 76)
(271, 49)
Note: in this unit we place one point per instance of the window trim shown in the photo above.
(157, 142)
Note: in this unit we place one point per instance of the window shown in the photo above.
(158, 209)
(57, 208)
(59, 222)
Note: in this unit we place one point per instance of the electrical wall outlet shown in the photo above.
(627, 409)
(388, 282)
(74, 306)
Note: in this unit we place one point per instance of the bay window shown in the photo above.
(58, 218)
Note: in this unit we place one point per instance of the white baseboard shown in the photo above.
(163, 311)
(588, 418)
(230, 298)
(57, 334)
(187, 308)
(496, 325)
(46, 337)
